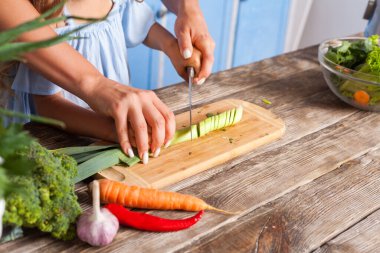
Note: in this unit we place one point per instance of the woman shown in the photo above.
(104, 95)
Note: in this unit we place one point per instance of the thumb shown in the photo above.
(185, 45)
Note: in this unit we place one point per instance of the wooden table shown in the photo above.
(317, 189)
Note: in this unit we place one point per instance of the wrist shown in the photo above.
(186, 7)
(89, 84)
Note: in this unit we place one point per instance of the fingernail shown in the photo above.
(157, 152)
(202, 81)
(130, 153)
(168, 143)
(186, 53)
(145, 158)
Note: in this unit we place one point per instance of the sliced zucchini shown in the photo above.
(232, 118)
(185, 135)
(209, 124)
(216, 123)
(238, 114)
(222, 120)
(201, 128)
(227, 118)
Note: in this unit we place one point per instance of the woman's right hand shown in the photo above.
(139, 109)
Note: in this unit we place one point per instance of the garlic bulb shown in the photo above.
(99, 226)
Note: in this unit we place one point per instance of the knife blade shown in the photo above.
(190, 73)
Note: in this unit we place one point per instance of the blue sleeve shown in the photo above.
(137, 19)
(29, 81)
(373, 26)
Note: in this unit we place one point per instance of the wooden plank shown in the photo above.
(257, 127)
(262, 179)
(311, 215)
(363, 237)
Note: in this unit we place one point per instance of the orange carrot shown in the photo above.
(361, 97)
(148, 198)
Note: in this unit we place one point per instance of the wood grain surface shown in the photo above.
(362, 237)
(316, 189)
(257, 127)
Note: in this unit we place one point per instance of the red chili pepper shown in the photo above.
(149, 222)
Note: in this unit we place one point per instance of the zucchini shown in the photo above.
(232, 117)
(216, 123)
(238, 114)
(222, 120)
(184, 135)
(201, 128)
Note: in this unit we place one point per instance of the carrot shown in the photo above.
(148, 198)
(361, 97)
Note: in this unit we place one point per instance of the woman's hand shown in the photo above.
(180, 63)
(138, 109)
(191, 31)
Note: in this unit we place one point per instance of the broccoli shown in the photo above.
(46, 198)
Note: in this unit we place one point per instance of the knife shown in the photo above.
(190, 73)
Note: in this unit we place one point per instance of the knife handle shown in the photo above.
(190, 71)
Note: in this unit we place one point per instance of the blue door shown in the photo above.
(260, 30)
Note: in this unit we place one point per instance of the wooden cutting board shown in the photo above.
(257, 127)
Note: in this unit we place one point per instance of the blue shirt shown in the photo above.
(373, 26)
(104, 44)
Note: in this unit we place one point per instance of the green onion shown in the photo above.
(100, 162)
(84, 149)
(128, 160)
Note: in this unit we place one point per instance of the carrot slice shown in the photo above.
(361, 97)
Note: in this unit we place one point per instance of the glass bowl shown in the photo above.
(361, 90)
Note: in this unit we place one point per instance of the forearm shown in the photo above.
(60, 64)
(177, 6)
(78, 120)
(160, 39)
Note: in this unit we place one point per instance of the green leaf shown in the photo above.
(18, 165)
(344, 47)
(14, 51)
(100, 162)
(34, 118)
(12, 34)
(128, 160)
(12, 139)
(84, 149)
(4, 182)
(373, 60)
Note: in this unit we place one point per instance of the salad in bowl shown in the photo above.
(351, 68)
